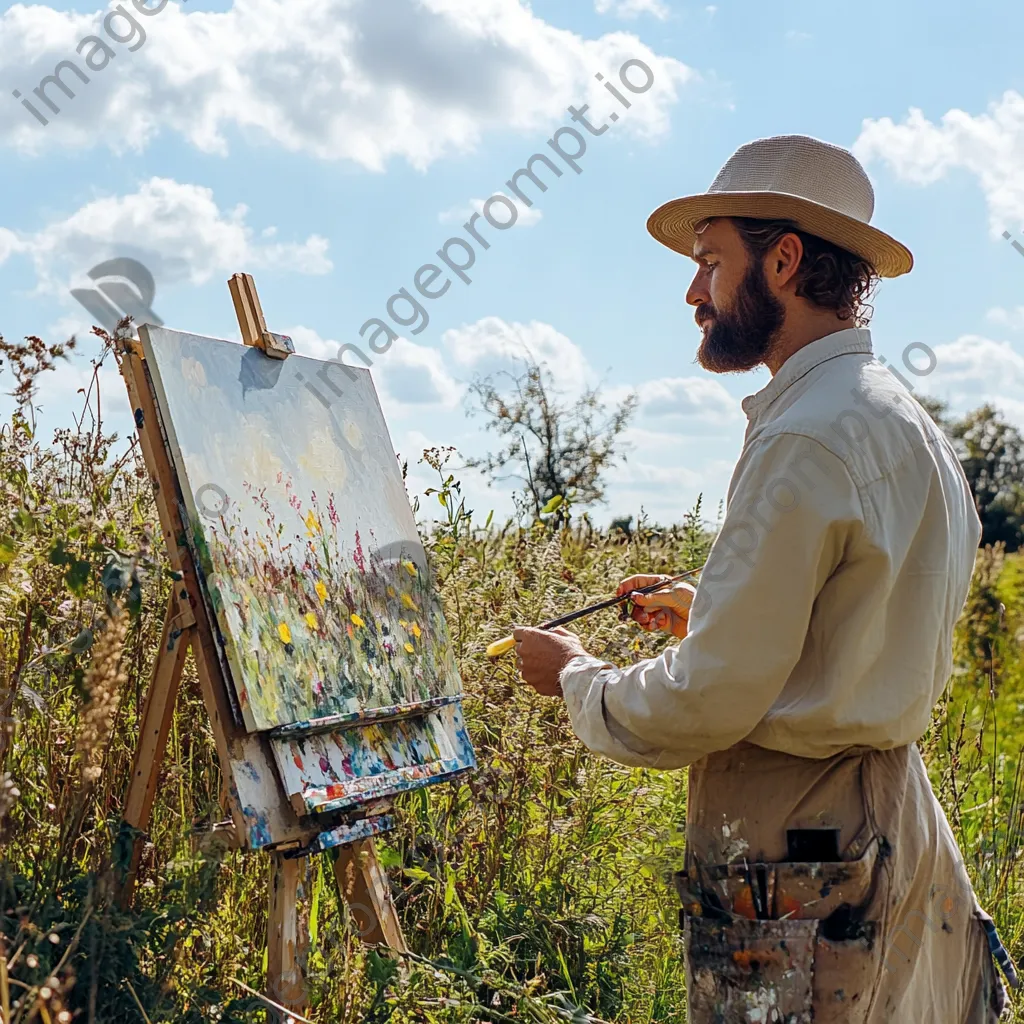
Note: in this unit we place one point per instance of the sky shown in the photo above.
(331, 148)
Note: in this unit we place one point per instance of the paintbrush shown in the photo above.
(506, 644)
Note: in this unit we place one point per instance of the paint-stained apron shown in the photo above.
(891, 931)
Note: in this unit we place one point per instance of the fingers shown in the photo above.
(678, 599)
(522, 632)
(638, 581)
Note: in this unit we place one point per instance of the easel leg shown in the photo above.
(364, 885)
(154, 727)
(287, 935)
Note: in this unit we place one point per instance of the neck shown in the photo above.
(797, 333)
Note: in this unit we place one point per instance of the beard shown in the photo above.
(742, 337)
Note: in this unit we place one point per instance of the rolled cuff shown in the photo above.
(583, 685)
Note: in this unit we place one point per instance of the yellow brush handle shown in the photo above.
(500, 647)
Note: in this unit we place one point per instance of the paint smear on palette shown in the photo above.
(303, 534)
(343, 834)
(344, 769)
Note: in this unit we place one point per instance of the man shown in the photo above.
(822, 880)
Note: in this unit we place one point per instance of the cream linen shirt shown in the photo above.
(824, 618)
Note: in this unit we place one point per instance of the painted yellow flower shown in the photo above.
(409, 602)
(311, 620)
(410, 648)
(410, 568)
(284, 633)
(312, 524)
(353, 434)
(357, 621)
(391, 591)
(321, 591)
(416, 631)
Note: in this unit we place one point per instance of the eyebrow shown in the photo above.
(700, 252)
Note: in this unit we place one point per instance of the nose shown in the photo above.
(698, 292)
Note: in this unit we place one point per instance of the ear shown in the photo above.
(784, 260)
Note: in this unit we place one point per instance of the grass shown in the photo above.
(536, 891)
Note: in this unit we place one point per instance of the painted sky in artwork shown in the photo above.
(302, 525)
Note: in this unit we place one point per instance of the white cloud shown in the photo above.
(308, 343)
(1011, 318)
(176, 230)
(349, 80)
(971, 371)
(632, 8)
(976, 365)
(409, 377)
(61, 392)
(664, 488)
(526, 216)
(990, 146)
(491, 344)
(794, 35)
(412, 375)
(9, 243)
(702, 401)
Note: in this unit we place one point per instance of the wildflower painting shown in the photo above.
(304, 536)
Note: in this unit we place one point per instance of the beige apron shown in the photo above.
(889, 932)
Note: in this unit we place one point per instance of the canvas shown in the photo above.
(310, 557)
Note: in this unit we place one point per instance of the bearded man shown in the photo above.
(822, 881)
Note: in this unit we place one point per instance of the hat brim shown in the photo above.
(673, 225)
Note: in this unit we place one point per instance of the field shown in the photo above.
(536, 891)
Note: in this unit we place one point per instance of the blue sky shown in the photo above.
(330, 148)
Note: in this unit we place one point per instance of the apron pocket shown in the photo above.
(750, 970)
(844, 980)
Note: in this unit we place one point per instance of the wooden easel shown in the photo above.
(187, 626)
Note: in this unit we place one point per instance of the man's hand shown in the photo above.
(667, 610)
(542, 654)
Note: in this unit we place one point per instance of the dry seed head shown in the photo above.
(104, 681)
(9, 794)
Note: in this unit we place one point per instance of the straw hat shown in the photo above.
(821, 187)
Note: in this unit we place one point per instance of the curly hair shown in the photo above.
(828, 276)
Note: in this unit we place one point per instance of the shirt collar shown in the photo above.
(801, 362)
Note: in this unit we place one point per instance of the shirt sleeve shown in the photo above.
(793, 510)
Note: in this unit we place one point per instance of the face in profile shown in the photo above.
(738, 316)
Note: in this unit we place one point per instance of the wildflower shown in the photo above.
(311, 620)
(284, 633)
(410, 568)
(312, 524)
(410, 648)
(104, 680)
(391, 591)
(409, 602)
(321, 592)
(357, 621)
(416, 631)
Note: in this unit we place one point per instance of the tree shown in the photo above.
(991, 453)
(555, 448)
